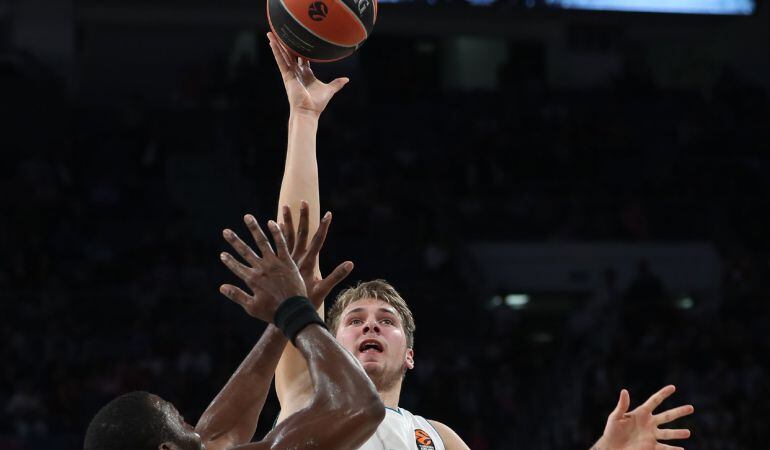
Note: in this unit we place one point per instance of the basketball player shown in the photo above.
(374, 323)
(345, 409)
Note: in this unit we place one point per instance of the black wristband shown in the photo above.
(294, 314)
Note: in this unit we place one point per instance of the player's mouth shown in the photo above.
(370, 346)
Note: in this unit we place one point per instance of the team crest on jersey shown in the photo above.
(424, 442)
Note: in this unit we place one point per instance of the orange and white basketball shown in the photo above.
(322, 30)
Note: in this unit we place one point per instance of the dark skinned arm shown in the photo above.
(345, 409)
(232, 416)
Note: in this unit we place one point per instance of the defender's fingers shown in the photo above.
(235, 294)
(287, 227)
(244, 250)
(259, 236)
(667, 435)
(282, 227)
(658, 398)
(280, 242)
(235, 267)
(320, 236)
(623, 403)
(333, 279)
(673, 414)
(303, 229)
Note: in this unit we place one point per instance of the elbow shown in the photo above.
(374, 411)
(358, 405)
(365, 409)
(367, 413)
(350, 421)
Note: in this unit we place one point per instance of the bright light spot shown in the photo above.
(517, 301)
(685, 303)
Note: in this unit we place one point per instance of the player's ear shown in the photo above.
(167, 446)
(409, 362)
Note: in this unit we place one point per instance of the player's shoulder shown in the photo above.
(452, 441)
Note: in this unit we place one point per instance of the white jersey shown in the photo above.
(400, 430)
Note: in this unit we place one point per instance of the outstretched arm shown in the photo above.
(638, 429)
(345, 409)
(308, 98)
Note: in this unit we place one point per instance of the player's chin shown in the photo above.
(373, 367)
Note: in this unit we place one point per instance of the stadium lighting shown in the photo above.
(685, 303)
(517, 301)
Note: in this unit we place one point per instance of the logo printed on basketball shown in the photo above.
(362, 5)
(424, 442)
(318, 11)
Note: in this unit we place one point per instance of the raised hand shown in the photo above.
(306, 94)
(638, 429)
(306, 256)
(272, 278)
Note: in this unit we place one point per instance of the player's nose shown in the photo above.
(371, 326)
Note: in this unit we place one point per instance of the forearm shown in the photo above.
(345, 409)
(232, 416)
(300, 182)
(337, 376)
(300, 176)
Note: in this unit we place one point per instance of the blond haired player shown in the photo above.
(373, 322)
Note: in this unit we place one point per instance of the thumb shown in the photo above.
(339, 83)
(333, 279)
(623, 403)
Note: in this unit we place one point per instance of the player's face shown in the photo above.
(185, 437)
(372, 330)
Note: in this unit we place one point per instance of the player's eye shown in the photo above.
(355, 322)
(387, 321)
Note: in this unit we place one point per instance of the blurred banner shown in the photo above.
(739, 7)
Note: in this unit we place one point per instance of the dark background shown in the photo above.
(613, 168)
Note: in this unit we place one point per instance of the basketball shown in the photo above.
(322, 30)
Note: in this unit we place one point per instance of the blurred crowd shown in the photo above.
(112, 217)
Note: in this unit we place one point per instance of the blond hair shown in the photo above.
(378, 290)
